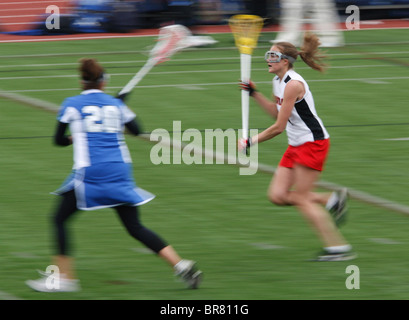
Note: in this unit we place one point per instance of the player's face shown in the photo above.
(274, 67)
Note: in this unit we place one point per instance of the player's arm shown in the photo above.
(60, 138)
(292, 92)
(131, 122)
(134, 127)
(267, 105)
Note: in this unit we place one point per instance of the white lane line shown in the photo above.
(30, 2)
(69, 38)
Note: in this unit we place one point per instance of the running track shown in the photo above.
(11, 21)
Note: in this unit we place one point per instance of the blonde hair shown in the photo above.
(309, 52)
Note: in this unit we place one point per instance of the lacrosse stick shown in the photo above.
(245, 29)
(171, 39)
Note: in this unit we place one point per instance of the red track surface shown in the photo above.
(18, 14)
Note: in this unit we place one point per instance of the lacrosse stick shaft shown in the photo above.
(245, 29)
(139, 76)
(171, 39)
(245, 69)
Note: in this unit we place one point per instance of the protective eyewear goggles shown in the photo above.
(104, 77)
(276, 56)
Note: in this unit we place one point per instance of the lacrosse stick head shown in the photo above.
(246, 30)
(171, 39)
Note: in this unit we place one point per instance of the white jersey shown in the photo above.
(96, 123)
(304, 125)
(102, 175)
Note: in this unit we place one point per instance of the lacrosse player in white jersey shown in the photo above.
(102, 176)
(301, 165)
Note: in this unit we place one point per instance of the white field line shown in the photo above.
(225, 158)
(181, 85)
(7, 296)
(143, 61)
(134, 62)
(176, 72)
(146, 51)
(396, 139)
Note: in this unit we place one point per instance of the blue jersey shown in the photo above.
(102, 175)
(96, 122)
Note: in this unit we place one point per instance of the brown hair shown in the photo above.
(92, 73)
(309, 52)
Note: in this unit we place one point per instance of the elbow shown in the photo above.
(61, 141)
(277, 129)
(57, 141)
(280, 126)
(280, 130)
(134, 127)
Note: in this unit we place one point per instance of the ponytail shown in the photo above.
(310, 53)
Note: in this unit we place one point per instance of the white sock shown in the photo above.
(333, 199)
(181, 265)
(338, 249)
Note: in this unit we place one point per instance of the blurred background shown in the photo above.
(129, 15)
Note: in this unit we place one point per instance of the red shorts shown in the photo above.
(309, 154)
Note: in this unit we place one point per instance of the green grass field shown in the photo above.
(248, 248)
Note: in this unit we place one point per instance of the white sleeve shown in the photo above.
(128, 114)
(68, 114)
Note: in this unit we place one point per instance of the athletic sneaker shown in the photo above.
(45, 284)
(340, 209)
(338, 256)
(187, 271)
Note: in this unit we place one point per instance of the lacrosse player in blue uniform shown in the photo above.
(102, 176)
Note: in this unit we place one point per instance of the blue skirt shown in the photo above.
(105, 185)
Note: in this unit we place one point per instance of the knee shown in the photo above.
(302, 201)
(135, 231)
(278, 198)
